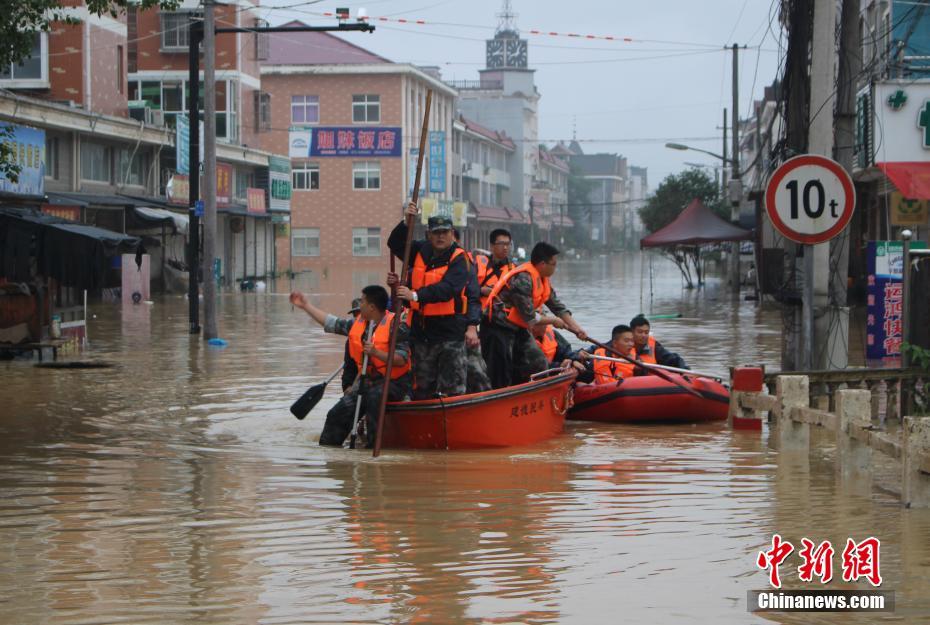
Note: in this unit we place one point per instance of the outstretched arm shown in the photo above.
(299, 300)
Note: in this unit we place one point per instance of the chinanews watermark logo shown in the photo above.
(859, 561)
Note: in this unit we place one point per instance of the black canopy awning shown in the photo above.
(73, 254)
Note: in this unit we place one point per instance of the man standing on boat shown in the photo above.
(490, 269)
(436, 295)
(649, 349)
(511, 351)
(369, 334)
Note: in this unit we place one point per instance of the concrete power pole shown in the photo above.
(816, 314)
(735, 181)
(209, 170)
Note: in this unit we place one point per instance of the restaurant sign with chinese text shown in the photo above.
(355, 141)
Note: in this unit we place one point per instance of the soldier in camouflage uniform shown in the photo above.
(510, 350)
(476, 377)
(373, 311)
(438, 275)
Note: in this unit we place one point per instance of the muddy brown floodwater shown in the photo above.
(176, 487)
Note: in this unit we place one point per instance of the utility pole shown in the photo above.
(195, 38)
(817, 314)
(735, 197)
(723, 191)
(209, 170)
(193, 232)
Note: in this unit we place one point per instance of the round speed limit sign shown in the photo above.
(810, 199)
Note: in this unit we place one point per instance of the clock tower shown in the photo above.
(506, 50)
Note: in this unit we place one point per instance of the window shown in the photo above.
(366, 241)
(366, 109)
(244, 180)
(305, 176)
(175, 29)
(32, 70)
(96, 162)
(261, 41)
(131, 168)
(366, 175)
(305, 109)
(172, 96)
(51, 157)
(262, 111)
(119, 69)
(305, 241)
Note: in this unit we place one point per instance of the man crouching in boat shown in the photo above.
(605, 371)
(509, 348)
(559, 352)
(649, 349)
(370, 334)
(436, 296)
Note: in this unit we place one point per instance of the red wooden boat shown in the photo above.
(650, 398)
(507, 417)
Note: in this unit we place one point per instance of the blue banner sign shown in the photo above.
(884, 302)
(437, 161)
(355, 141)
(27, 150)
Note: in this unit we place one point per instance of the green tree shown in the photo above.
(22, 19)
(670, 199)
(579, 200)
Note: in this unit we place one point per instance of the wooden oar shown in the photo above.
(312, 396)
(696, 374)
(639, 363)
(362, 378)
(396, 303)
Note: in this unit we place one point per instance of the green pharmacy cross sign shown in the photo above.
(923, 122)
(897, 99)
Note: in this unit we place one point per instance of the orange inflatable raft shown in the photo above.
(650, 398)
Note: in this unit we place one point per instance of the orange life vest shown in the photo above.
(548, 344)
(650, 358)
(541, 292)
(608, 371)
(381, 337)
(488, 276)
(422, 276)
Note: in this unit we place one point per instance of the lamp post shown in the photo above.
(735, 194)
(195, 38)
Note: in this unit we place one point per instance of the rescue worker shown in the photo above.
(369, 334)
(509, 349)
(621, 340)
(559, 353)
(476, 375)
(490, 269)
(436, 295)
(650, 351)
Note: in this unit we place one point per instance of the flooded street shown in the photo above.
(176, 487)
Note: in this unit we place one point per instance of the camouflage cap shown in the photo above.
(440, 222)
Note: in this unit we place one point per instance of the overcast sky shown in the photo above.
(670, 83)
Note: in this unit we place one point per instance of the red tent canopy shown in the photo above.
(694, 226)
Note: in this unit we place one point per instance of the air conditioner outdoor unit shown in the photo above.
(157, 118)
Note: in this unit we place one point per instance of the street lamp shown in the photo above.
(680, 146)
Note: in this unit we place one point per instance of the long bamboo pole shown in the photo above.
(396, 302)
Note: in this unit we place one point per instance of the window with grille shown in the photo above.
(175, 29)
(366, 241)
(262, 111)
(262, 41)
(305, 241)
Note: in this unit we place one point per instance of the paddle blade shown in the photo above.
(307, 401)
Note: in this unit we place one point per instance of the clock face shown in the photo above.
(495, 53)
(516, 53)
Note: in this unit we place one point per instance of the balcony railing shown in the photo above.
(465, 85)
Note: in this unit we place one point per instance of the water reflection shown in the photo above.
(176, 487)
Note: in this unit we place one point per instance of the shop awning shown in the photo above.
(695, 225)
(73, 254)
(911, 179)
(149, 217)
